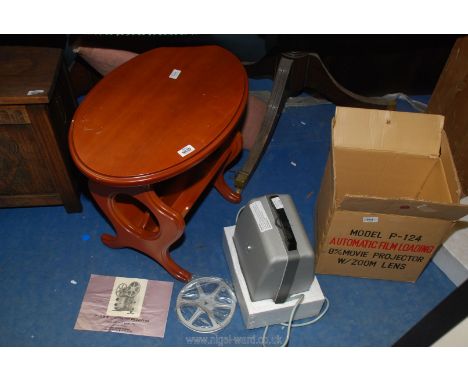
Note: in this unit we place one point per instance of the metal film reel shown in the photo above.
(206, 305)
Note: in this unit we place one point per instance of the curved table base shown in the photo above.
(150, 218)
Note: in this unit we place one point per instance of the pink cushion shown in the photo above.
(104, 60)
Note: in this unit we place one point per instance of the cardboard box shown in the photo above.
(389, 195)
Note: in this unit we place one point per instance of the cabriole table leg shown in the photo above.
(141, 221)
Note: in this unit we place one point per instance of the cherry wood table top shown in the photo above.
(131, 127)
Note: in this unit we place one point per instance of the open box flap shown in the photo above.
(404, 207)
(368, 129)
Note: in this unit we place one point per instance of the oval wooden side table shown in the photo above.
(153, 135)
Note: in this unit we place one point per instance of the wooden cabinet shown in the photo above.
(450, 98)
(36, 109)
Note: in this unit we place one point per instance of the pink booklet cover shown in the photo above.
(125, 305)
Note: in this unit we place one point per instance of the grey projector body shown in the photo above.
(274, 251)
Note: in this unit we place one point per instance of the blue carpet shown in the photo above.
(43, 249)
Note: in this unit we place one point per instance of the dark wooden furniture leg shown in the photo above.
(279, 94)
(298, 71)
